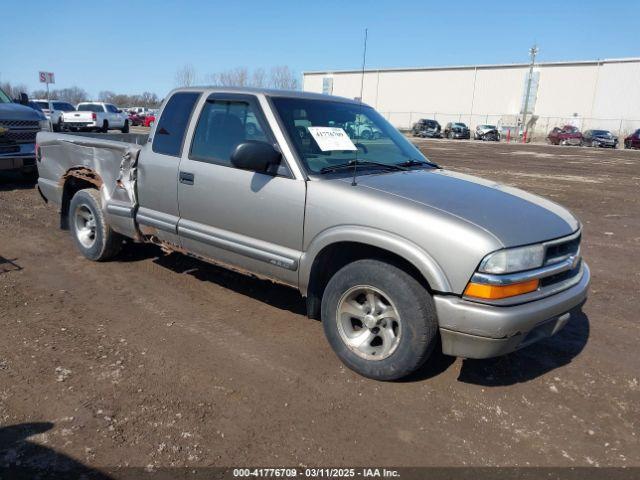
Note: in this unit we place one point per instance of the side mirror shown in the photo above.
(255, 156)
(24, 99)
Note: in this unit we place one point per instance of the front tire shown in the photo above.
(125, 128)
(379, 320)
(91, 233)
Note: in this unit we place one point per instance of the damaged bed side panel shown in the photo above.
(108, 165)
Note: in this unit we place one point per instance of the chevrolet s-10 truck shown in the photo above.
(390, 251)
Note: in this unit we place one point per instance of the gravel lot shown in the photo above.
(167, 361)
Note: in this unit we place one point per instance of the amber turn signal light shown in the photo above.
(496, 292)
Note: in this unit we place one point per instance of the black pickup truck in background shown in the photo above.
(19, 125)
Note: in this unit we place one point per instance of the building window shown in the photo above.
(327, 85)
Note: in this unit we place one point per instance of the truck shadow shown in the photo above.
(276, 295)
(517, 367)
(532, 361)
(8, 265)
(23, 459)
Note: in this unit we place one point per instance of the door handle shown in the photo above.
(186, 178)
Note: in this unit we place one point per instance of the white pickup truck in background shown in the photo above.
(97, 116)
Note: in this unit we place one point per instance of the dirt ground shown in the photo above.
(167, 361)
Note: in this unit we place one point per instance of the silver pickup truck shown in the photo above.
(392, 252)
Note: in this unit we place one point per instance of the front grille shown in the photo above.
(20, 131)
(21, 136)
(19, 123)
(556, 252)
(561, 277)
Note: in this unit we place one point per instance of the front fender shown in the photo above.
(391, 242)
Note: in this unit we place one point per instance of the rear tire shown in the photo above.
(379, 320)
(105, 127)
(91, 233)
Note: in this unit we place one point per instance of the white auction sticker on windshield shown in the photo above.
(331, 139)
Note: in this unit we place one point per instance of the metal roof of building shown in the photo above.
(485, 66)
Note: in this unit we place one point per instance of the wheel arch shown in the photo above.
(334, 248)
(74, 180)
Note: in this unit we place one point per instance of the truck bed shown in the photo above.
(107, 161)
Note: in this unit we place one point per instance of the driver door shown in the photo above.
(247, 219)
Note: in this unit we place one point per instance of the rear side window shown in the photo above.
(43, 105)
(172, 125)
(90, 107)
(65, 107)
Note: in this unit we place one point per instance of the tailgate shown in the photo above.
(77, 117)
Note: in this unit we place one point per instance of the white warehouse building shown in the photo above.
(598, 94)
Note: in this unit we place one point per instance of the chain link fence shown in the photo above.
(538, 129)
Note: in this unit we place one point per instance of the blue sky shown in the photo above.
(133, 46)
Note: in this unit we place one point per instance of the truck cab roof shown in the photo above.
(269, 92)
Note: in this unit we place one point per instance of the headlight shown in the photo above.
(513, 260)
(45, 126)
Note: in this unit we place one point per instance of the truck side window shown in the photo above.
(224, 124)
(173, 122)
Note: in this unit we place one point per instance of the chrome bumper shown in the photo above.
(474, 330)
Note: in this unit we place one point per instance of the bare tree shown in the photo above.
(72, 95)
(259, 78)
(53, 94)
(13, 90)
(283, 77)
(146, 99)
(279, 77)
(106, 96)
(186, 76)
(238, 77)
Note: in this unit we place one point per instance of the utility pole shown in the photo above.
(533, 51)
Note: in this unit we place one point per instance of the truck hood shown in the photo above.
(513, 216)
(15, 111)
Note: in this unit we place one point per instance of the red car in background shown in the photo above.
(149, 120)
(633, 140)
(136, 120)
(567, 135)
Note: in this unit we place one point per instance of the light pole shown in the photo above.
(533, 51)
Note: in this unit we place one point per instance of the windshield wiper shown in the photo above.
(361, 163)
(417, 163)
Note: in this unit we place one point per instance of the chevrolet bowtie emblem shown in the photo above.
(3, 130)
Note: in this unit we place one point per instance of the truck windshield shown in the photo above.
(4, 98)
(376, 140)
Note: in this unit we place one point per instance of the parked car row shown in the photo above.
(566, 135)
(95, 116)
(86, 116)
(571, 135)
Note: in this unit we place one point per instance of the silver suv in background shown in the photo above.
(53, 110)
(393, 253)
(19, 125)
